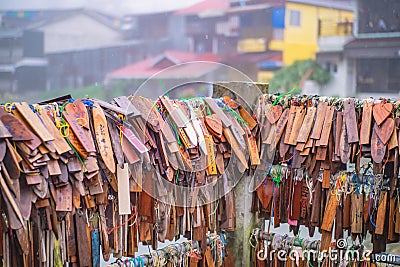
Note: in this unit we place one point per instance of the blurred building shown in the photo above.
(367, 64)
(81, 46)
(22, 62)
(375, 52)
(171, 69)
(260, 36)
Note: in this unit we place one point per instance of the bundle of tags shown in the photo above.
(335, 167)
(73, 174)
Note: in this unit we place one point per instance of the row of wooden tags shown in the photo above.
(335, 166)
(73, 173)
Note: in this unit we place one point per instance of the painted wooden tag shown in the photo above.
(381, 111)
(124, 203)
(378, 149)
(147, 110)
(306, 127)
(34, 121)
(102, 135)
(385, 131)
(64, 198)
(319, 120)
(273, 113)
(214, 124)
(351, 120)
(116, 143)
(253, 150)
(292, 115)
(77, 144)
(73, 115)
(17, 129)
(247, 117)
(366, 123)
(280, 126)
(211, 164)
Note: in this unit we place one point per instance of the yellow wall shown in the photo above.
(265, 76)
(301, 42)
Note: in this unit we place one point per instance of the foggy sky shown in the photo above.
(114, 7)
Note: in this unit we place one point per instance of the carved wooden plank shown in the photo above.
(83, 242)
(292, 115)
(109, 106)
(17, 129)
(34, 121)
(217, 110)
(298, 120)
(326, 129)
(330, 213)
(351, 120)
(306, 127)
(102, 136)
(126, 104)
(366, 123)
(381, 111)
(235, 147)
(356, 213)
(319, 120)
(338, 129)
(381, 215)
(280, 125)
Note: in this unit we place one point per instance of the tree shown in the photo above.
(293, 76)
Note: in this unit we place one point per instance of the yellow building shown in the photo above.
(304, 22)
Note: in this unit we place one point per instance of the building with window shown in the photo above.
(260, 36)
(299, 24)
(375, 52)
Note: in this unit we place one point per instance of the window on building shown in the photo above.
(378, 75)
(331, 67)
(295, 17)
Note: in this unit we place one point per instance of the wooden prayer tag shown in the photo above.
(124, 203)
(103, 137)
